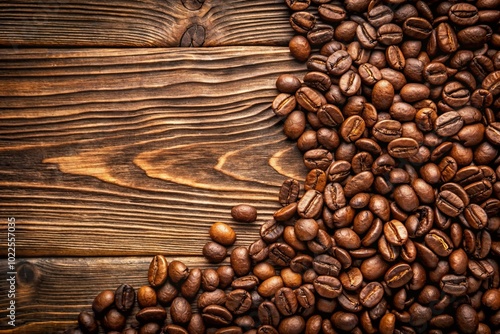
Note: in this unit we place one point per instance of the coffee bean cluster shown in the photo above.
(396, 226)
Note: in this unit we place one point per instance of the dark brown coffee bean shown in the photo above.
(338, 62)
(217, 315)
(289, 191)
(475, 216)
(448, 124)
(288, 83)
(474, 37)
(330, 115)
(306, 229)
(367, 35)
(454, 285)
(87, 322)
(338, 171)
(214, 252)
(398, 275)
(382, 95)
(463, 14)
(284, 104)
(271, 231)
(467, 319)
(371, 294)
(244, 213)
(321, 244)
(158, 270)
(177, 271)
(284, 214)
(209, 279)
(302, 21)
(124, 298)
(103, 302)
(192, 284)
(387, 130)
(310, 99)
(388, 251)
(419, 314)
(417, 27)
(158, 313)
(268, 314)
(358, 183)
(369, 74)
(380, 15)
(318, 158)
(458, 261)
(222, 234)
(113, 320)
(165, 295)
(403, 147)
(395, 232)
(449, 203)
(281, 254)
(258, 251)
(327, 286)
(439, 242)
(347, 238)
(455, 94)
(238, 301)
(326, 265)
(216, 297)
(310, 205)
(446, 38)
(332, 13)
(240, 261)
(286, 301)
(481, 269)
(334, 196)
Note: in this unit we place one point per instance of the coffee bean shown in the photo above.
(113, 320)
(281, 254)
(271, 231)
(371, 294)
(395, 232)
(338, 62)
(158, 270)
(103, 302)
(310, 99)
(417, 27)
(216, 315)
(240, 261)
(302, 21)
(310, 205)
(244, 213)
(398, 275)
(439, 242)
(289, 191)
(238, 301)
(158, 313)
(124, 298)
(327, 286)
(165, 295)
(192, 284)
(222, 234)
(214, 252)
(87, 322)
(467, 319)
(449, 203)
(268, 314)
(284, 104)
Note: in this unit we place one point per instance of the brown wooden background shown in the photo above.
(119, 141)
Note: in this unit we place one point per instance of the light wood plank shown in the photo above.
(51, 292)
(145, 23)
(134, 152)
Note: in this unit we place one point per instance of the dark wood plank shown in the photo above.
(145, 23)
(135, 152)
(51, 292)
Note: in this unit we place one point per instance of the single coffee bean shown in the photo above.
(177, 271)
(268, 314)
(338, 63)
(288, 83)
(248, 282)
(310, 99)
(271, 231)
(158, 270)
(332, 13)
(467, 319)
(238, 301)
(439, 242)
(124, 298)
(192, 284)
(417, 27)
(327, 286)
(310, 205)
(222, 234)
(165, 295)
(390, 34)
(216, 315)
(449, 203)
(347, 238)
(367, 35)
(289, 191)
(318, 158)
(216, 297)
(113, 320)
(281, 254)
(286, 301)
(154, 313)
(398, 275)
(209, 279)
(284, 104)
(244, 213)
(371, 294)
(446, 38)
(302, 21)
(103, 302)
(214, 252)
(87, 322)
(240, 261)
(395, 232)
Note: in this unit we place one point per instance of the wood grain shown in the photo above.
(145, 23)
(50, 293)
(134, 152)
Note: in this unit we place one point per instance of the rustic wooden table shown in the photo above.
(126, 129)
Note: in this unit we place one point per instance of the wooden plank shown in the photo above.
(145, 23)
(138, 151)
(51, 292)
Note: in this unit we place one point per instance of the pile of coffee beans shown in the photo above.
(396, 228)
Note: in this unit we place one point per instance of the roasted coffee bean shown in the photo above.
(165, 295)
(289, 191)
(327, 286)
(192, 284)
(103, 302)
(449, 203)
(284, 104)
(331, 13)
(177, 271)
(222, 233)
(240, 261)
(158, 270)
(398, 275)
(310, 99)
(271, 231)
(367, 35)
(269, 314)
(417, 27)
(209, 279)
(214, 252)
(158, 313)
(281, 254)
(124, 298)
(371, 294)
(467, 319)
(288, 83)
(318, 158)
(238, 301)
(216, 297)
(113, 320)
(302, 21)
(87, 322)
(311, 204)
(244, 213)
(217, 315)
(395, 232)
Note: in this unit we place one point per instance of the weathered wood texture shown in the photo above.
(137, 152)
(52, 291)
(145, 23)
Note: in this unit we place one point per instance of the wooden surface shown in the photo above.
(111, 155)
